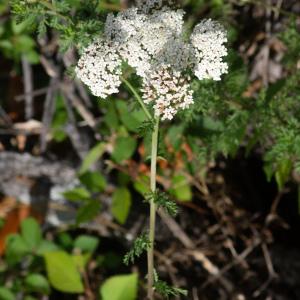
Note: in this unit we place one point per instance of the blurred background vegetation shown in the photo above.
(73, 168)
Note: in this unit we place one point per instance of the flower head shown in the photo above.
(208, 40)
(150, 39)
(169, 90)
(100, 68)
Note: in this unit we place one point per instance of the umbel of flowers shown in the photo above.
(152, 40)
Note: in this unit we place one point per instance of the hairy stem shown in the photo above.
(152, 211)
(138, 98)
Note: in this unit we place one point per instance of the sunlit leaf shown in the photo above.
(121, 287)
(62, 272)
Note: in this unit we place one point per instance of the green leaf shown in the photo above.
(94, 154)
(25, 42)
(65, 240)
(269, 171)
(282, 173)
(88, 211)
(81, 260)
(111, 117)
(161, 199)
(32, 57)
(86, 243)
(120, 287)
(62, 272)
(145, 128)
(124, 148)
(46, 246)
(123, 179)
(94, 181)
(20, 27)
(37, 283)
(140, 245)
(6, 294)
(31, 233)
(181, 188)
(142, 186)
(77, 194)
(121, 202)
(131, 119)
(16, 248)
(166, 290)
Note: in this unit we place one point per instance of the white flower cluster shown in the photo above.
(208, 40)
(169, 90)
(100, 69)
(150, 38)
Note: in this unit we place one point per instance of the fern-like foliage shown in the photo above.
(166, 290)
(140, 245)
(161, 199)
(145, 128)
(77, 24)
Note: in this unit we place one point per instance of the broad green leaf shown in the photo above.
(16, 248)
(94, 154)
(181, 188)
(81, 260)
(120, 287)
(24, 41)
(111, 117)
(37, 283)
(46, 246)
(77, 194)
(86, 243)
(94, 181)
(6, 294)
(131, 119)
(88, 211)
(31, 232)
(62, 272)
(121, 202)
(124, 148)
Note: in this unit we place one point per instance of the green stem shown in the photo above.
(138, 98)
(150, 253)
